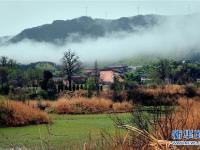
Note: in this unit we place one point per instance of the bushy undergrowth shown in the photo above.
(81, 105)
(160, 95)
(185, 116)
(14, 113)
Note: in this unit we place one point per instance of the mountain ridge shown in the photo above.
(74, 30)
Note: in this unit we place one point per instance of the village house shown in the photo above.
(120, 69)
(144, 78)
(88, 71)
(133, 68)
(106, 76)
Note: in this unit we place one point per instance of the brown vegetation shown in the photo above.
(167, 89)
(183, 117)
(162, 95)
(81, 105)
(14, 113)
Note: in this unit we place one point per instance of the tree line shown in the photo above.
(23, 83)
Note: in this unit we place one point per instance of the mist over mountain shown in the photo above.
(136, 40)
(4, 39)
(77, 29)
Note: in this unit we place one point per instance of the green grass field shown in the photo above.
(66, 130)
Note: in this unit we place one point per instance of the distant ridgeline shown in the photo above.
(192, 56)
(85, 27)
(43, 65)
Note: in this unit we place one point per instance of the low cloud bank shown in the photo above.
(177, 36)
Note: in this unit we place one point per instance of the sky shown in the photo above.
(17, 15)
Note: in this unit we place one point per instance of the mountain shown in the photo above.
(44, 65)
(85, 27)
(3, 39)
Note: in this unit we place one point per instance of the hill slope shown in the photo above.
(85, 27)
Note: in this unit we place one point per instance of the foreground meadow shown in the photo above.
(66, 131)
(145, 122)
(57, 124)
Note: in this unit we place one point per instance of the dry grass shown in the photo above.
(45, 103)
(123, 106)
(14, 113)
(81, 105)
(185, 116)
(126, 141)
(167, 89)
(189, 112)
(93, 105)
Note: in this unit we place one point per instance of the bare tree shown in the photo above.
(6, 62)
(71, 65)
(12, 63)
(3, 61)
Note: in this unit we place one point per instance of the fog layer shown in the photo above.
(174, 37)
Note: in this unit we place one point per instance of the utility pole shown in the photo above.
(86, 10)
(106, 14)
(138, 9)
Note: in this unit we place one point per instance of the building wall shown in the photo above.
(107, 76)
